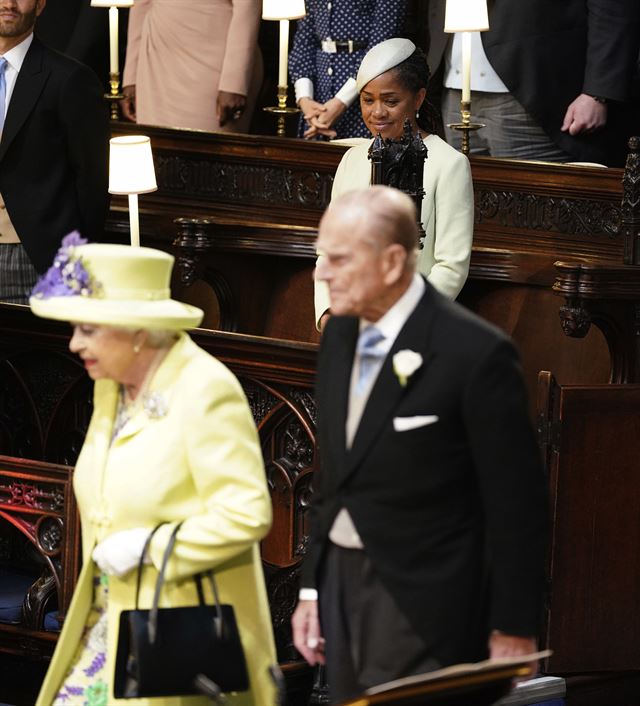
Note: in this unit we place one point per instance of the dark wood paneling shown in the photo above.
(45, 406)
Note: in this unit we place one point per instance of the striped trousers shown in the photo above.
(17, 274)
(510, 131)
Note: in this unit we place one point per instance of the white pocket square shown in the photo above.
(408, 423)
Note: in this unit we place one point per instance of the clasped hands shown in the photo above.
(321, 116)
(120, 552)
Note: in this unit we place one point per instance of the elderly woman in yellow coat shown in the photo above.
(171, 440)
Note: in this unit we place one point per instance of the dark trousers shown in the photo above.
(369, 640)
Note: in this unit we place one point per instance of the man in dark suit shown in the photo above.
(568, 66)
(428, 518)
(53, 150)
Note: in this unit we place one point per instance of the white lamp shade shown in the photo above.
(466, 16)
(111, 3)
(283, 9)
(131, 165)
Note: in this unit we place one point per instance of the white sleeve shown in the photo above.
(348, 93)
(308, 594)
(303, 88)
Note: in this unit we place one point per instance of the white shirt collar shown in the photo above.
(15, 57)
(392, 322)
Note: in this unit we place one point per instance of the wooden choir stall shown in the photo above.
(555, 264)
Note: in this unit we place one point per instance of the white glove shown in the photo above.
(120, 552)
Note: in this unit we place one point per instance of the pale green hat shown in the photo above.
(113, 285)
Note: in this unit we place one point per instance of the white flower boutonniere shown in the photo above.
(405, 364)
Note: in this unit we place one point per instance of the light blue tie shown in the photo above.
(369, 355)
(3, 90)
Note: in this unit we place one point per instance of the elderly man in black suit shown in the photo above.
(428, 518)
(53, 150)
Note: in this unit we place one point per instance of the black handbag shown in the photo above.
(162, 651)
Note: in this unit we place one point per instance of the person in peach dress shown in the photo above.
(193, 64)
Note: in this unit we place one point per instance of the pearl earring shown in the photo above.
(136, 348)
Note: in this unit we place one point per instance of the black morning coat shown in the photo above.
(452, 514)
(548, 52)
(54, 153)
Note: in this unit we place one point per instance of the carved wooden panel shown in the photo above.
(288, 182)
(37, 500)
(45, 407)
(526, 211)
(250, 262)
(206, 177)
(44, 403)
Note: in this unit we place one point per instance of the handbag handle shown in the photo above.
(143, 556)
(153, 614)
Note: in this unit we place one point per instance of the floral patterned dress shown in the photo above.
(85, 683)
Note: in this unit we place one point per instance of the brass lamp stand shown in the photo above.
(282, 11)
(466, 126)
(282, 110)
(464, 17)
(114, 96)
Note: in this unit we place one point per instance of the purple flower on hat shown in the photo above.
(67, 277)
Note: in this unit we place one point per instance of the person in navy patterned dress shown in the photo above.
(324, 74)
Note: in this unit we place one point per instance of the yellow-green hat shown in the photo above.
(113, 285)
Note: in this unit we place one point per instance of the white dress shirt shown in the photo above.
(483, 75)
(343, 532)
(15, 59)
(389, 326)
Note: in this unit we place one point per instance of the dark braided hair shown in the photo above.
(413, 73)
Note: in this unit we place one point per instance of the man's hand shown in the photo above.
(585, 114)
(501, 645)
(306, 632)
(324, 320)
(128, 102)
(229, 107)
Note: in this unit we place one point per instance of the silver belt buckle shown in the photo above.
(329, 46)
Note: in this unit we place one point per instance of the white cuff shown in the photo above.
(308, 594)
(303, 88)
(349, 92)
